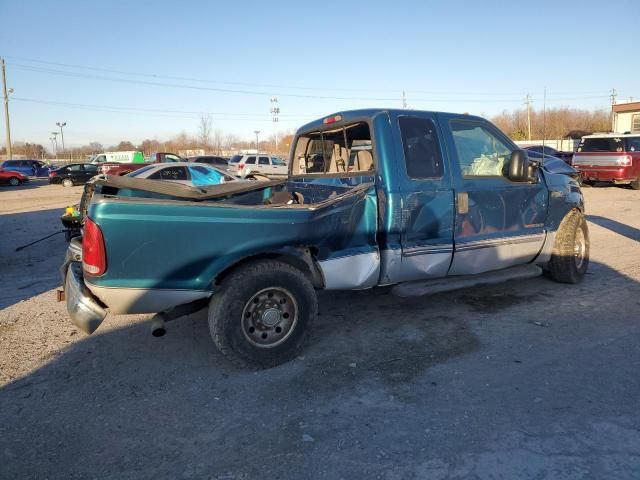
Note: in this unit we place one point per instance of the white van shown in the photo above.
(118, 157)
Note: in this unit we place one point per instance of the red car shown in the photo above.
(12, 177)
(609, 157)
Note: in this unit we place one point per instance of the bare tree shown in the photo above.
(204, 132)
(218, 140)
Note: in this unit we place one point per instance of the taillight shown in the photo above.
(94, 256)
(241, 166)
(53, 174)
(625, 160)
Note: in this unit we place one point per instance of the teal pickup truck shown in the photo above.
(423, 201)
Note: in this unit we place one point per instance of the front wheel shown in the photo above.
(570, 257)
(262, 313)
(67, 182)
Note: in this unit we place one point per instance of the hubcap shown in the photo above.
(579, 248)
(269, 317)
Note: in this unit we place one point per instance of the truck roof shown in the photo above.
(351, 115)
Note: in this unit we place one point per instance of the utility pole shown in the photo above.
(404, 99)
(275, 111)
(613, 96)
(257, 132)
(61, 124)
(528, 102)
(6, 110)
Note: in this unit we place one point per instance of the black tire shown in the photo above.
(635, 185)
(242, 302)
(14, 181)
(570, 257)
(67, 182)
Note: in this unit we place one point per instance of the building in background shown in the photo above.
(626, 117)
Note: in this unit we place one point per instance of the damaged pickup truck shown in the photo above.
(419, 200)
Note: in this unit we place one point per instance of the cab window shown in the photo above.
(481, 153)
(336, 150)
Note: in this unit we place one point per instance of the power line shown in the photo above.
(163, 113)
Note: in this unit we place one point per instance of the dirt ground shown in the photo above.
(526, 380)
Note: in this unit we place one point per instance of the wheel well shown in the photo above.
(303, 259)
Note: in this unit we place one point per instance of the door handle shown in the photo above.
(463, 203)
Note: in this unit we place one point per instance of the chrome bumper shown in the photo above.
(84, 310)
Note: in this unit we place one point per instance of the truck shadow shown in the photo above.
(36, 266)
(616, 227)
(115, 390)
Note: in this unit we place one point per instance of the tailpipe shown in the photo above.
(158, 325)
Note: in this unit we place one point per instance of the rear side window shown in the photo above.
(601, 144)
(421, 148)
(74, 168)
(251, 160)
(170, 173)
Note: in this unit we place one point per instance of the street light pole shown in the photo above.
(61, 124)
(256, 132)
(6, 110)
(55, 141)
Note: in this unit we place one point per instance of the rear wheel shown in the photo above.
(67, 182)
(635, 185)
(262, 314)
(14, 181)
(570, 258)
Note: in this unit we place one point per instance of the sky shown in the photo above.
(129, 70)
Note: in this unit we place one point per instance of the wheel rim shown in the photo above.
(14, 182)
(269, 317)
(580, 248)
(66, 183)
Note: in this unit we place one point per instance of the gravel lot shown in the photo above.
(526, 380)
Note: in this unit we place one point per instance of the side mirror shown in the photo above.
(520, 169)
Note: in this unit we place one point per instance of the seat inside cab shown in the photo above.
(341, 150)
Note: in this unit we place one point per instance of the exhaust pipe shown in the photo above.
(158, 328)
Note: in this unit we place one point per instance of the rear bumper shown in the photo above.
(606, 174)
(84, 309)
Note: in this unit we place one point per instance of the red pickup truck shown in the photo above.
(119, 168)
(609, 157)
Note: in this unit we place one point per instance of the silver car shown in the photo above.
(246, 166)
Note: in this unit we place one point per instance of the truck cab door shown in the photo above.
(426, 200)
(499, 223)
